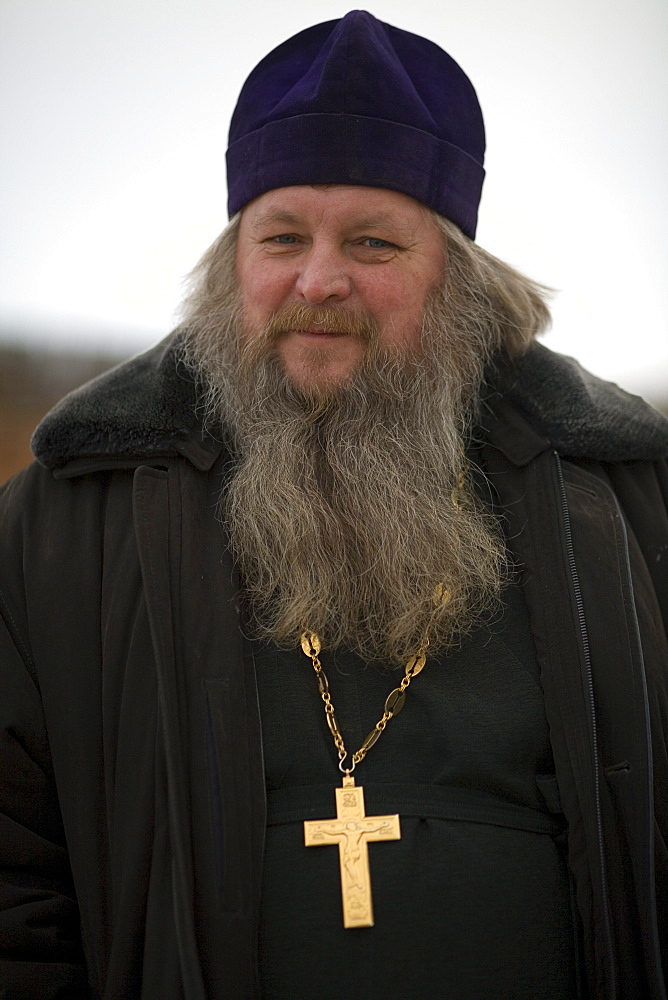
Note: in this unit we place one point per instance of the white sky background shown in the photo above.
(113, 122)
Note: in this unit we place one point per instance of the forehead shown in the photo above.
(336, 205)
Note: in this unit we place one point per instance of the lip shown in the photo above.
(318, 332)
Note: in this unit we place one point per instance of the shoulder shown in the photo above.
(580, 415)
(142, 408)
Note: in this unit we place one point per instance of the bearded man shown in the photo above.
(350, 483)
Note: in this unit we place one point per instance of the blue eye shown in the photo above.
(284, 238)
(375, 244)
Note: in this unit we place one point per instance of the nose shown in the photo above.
(323, 276)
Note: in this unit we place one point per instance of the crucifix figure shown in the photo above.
(352, 830)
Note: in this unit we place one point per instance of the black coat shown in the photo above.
(131, 776)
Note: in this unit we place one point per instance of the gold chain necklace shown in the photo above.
(393, 703)
(352, 829)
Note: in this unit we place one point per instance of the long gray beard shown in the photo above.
(348, 507)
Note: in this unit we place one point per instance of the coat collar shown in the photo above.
(142, 410)
(552, 397)
(147, 409)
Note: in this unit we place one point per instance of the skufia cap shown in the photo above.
(357, 101)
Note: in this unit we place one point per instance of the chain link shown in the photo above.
(311, 645)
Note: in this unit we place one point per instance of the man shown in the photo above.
(350, 482)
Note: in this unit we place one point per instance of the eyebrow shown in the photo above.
(271, 217)
(379, 221)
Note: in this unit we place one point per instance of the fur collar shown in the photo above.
(146, 408)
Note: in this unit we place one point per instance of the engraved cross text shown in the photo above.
(352, 830)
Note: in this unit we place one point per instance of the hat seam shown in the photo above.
(345, 75)
(362, 118)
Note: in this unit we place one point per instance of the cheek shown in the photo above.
(263, 291)
(397, 303)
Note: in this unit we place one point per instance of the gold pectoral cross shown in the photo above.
(352, 830)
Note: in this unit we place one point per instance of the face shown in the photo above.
(343, 252)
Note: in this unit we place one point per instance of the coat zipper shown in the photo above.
(654, 930)
(591, 708)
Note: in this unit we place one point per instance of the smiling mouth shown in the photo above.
(317, 332)
(309, 323)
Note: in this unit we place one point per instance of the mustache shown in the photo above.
(330, 319)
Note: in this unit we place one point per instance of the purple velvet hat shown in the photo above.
(356, 101)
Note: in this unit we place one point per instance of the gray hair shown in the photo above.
(513, 306)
